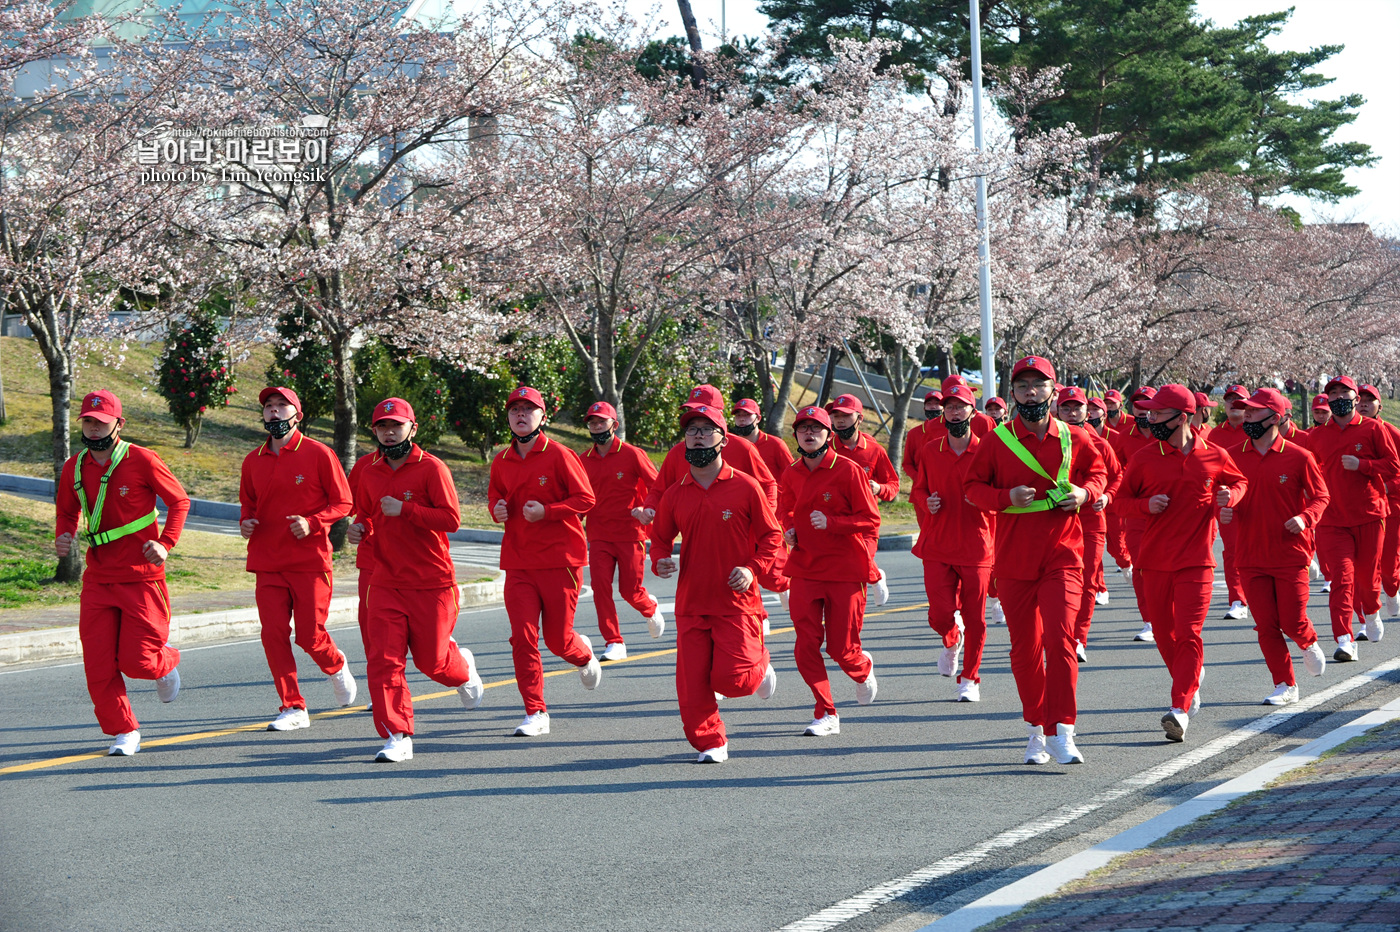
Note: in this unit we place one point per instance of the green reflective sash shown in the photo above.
(91, 520)
(1061, 490)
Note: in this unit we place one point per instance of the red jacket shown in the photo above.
(928, 431)
(1182, 536)
(873, 460)
(1392, 485)
(620, 482)
(727, 525)
(1284, 482)
(302, 478)
(843, 550)
(1227, 436)
(739, 453)
(959, 533)
(131, 493)
(1357, 494)
(364, 553)
(775, 454)
(552, 475)
(411, 549)
(1125, 443)
(1098, 520)
(1032, 544)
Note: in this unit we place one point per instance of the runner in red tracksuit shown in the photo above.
(1073, 406)
(1125, 443)
(916, 438)
(955, 545)
(1276, 519)
(1115, 419)
(1229, 436)
(107, 495)
(1368, 405)
(292, 489)
(831, 522)
(731, 539)
(539, 489)
(995, 409)
(619, 475)
(1200, 422)
(406, 501)
(1175, 485)
(775, 454)
(859, 447)
(1321, 414)
(1356, 456)
(1039, 553)
(364, 553)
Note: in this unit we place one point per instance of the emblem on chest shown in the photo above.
(408, 495)
(543, 480)
(619, 474)
(300, 480)
(1282, 479)
(826, 496)
(1358, 448)
(123, 490)
(726, 514)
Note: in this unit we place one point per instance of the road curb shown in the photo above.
(1049, 880)
(48, 644)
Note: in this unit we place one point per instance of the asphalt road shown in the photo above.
(605, 824)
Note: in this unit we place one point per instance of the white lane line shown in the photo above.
(1045, 882)
(869, 900)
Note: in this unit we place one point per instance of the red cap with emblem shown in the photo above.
(1034, 364)
(848, 404)
(747, 404)
(101, 405)
(960, 393)
(1369, 390)
(1098, 403)
(289, 396)
(1171, 398)
(1319, 403)
(601, 409)
(1341, 381)
(934, 395)
(812, 413)
(705, 395)
(1143, 394)
(526, 394)
(1203, 401)
(951, 381)
(709, 413)
(995, 402)
(1237, 391)
(1270, 398)
(1113, 394)
(393, 409)
(1071, 393)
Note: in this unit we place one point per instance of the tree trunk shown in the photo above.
(347, 424)
(774, 422)
(692, 35)
(192, 429)
(903, 383)
(69, 568)
(3, 417)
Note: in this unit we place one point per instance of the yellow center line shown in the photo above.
(351, 710)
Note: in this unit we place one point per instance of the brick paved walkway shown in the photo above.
(1317, 851)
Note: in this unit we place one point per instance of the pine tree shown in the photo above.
(195, 371)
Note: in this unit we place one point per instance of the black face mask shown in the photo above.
(1096, 423)
(1255, 429)
(818, 452)
(932, 414)
(101, 443)
(279, 428)
(1163, 430)
(397, 451)
(1033, 413)
(959, 428)
(744, 430)
(1341, 407)
(700, 457)
(1318, 422)
(1114, 414)
(848, 433)
(603, 438)
(996, 417)
(1141, 421)
(526, 438)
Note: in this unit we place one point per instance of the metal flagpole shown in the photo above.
(984, 252)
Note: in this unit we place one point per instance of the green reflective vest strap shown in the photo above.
(1056, 494)
(92, 519)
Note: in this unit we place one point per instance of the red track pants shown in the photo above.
(959, 588)
(834, 612)
(542, 598)
(626, 557)
(1278, 599)
(715, 654)
(362, 610)
(295, 601)
(403, 621)
(1354, 560)
(123, 628)
(1132, 533)
(1175, 603)
(1229, 534)
(1390, 553)
(1117, 540)
(1040, 619)
(1093, 583)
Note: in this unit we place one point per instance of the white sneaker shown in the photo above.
(1035, 747)
(882, 589)
(168, 686)
(969, 691)
(591, 673)
(585, 593)
(1327, 585)
(343, 683)
(1283, 694)
(1346, 649)
(1375, 628)
(1146, 635)
(865, 692)
(396, 750)
(1080, 653)
(1391, 605)
(535, 724)
(1196, 698)
(768, 685)
(714, 755)
(821, 727)
(1101, 598)
(1174, 724)
(1127, 572)
(656, 623)
(948, 659)
(615, 651)
(998, 614)
(472, 690)
(1061, 745)
(126, 744)
(1314, 660)
(1237, 611)
(290, 720)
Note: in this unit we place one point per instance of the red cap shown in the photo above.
(1369, 390)
(705, 395)
(1320, 401)
(393, 409)
(1171, 397)
(1098, 403)
(934, 395)
(1034, 364)
(709, 413)
(747, 404)
(847, 403)
(1145, 393)
(995, 402)
(526, 394)
(287, 394)
(101, 405)
(813, 413)
(1071, 393)
(1113, 394)
(601, 409)
(1345, 381)
(1239, 391)
(1203, 401)
(951, 381)
(961, 393)
(1270, 398)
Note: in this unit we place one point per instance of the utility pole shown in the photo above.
(984, 249)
